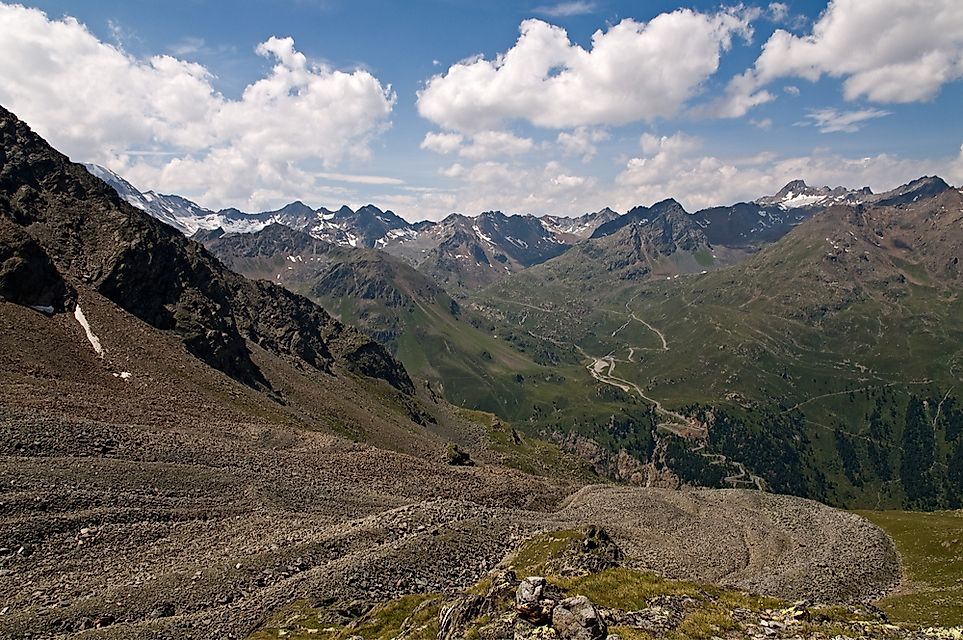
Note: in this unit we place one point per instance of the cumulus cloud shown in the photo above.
(161, 122)
(889, 52)
(477, 146)
(581, 142)
(742, 93)
(518, 188)
(491, 144)
(885, 51)
(675, 166)
(833, 120)
(442, 142)
(633, 71)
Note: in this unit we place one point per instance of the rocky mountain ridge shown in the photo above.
(466, 253)
(77, 229)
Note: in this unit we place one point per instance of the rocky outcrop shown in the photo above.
(594, 551)
(27, 274)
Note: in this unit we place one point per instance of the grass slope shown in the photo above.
(931, 549)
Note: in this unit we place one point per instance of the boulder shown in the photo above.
(456, 457)
(455, 614)
(534, 600)
(577, 619)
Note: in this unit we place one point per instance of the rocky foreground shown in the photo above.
(204, 530)
(591, 594)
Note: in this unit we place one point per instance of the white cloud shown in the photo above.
(765, 123)
(491, 144)
(581, 142)
(442, 142)
(478, 146)
(454, 171)
(356, 178)
(669, 166)
(634, 71)
(833, 120)
(674, 166)
(187, 46)
(566, 9)
(96, 102)
(525, 189)
(778, 11)
(885, 51)
(742, 94)
(791, 89)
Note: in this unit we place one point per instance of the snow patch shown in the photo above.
(94, 340)
(482, 235)
(43, 309)
(793, 201)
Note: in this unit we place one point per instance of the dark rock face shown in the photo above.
(641, 216)
(152, 271)
(630, 243)
(28, 275)
(922, 188)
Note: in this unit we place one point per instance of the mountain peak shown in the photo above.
(795, 186)
(924, 187)
(669, 205)
(297, 205)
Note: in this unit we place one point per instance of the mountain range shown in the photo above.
(465, 253)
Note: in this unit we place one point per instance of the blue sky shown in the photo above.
(855, 92)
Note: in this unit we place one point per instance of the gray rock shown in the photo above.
(578, 619)
(455, 614)
(530, 590)
(534, 600)
(164, 610)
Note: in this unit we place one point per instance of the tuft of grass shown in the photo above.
(628, 589)
(416, 615)
(531, 557)
(386, 621)
(709, 621)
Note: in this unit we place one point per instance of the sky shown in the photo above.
(428, 107)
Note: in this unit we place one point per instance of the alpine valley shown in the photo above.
(803, 342)
(312, 422)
